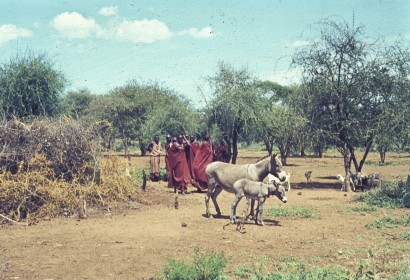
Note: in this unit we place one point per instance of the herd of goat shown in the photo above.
(246, 180)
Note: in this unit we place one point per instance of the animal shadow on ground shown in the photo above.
(221, 217)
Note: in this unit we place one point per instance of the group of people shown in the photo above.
(185, 160)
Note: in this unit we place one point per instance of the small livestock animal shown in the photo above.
(374, 177)
(341, 178)
(358, 180)
(273, 179)
(221, 176)
(308, 176)
(258, 191)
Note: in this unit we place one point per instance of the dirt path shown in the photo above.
(135, 242)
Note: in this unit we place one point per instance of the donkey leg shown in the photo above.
(260, 212)
(252, 212)
(233, 209)
(214, 195)
(207, 197)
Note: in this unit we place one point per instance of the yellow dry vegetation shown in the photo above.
(33, 192)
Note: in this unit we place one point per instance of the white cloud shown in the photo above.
(143, 31)
(205, 32)
(299, 43)
(9, 32)
(108, 11)
(284, 77)
(74, 25)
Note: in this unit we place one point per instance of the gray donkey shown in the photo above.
(257, 191)
(222, 176)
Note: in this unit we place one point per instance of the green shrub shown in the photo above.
(204, 266)
(389, 195)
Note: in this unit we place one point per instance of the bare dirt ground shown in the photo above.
(135, 241)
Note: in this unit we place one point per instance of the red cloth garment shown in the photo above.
(181, 176)
(203, 157)
(193, 150)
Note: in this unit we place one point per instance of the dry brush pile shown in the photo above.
(50, 167)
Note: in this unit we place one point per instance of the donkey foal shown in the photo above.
(258, 191)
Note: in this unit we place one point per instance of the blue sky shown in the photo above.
(100, 45)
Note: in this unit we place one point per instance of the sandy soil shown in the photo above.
(135, 241)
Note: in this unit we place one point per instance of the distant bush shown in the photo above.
(389, 195)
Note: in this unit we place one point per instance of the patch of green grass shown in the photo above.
(365, 209)
(203, 266)
(291, 268)
(406, 235)
(387, 163)
(293, 212)
(388, 222)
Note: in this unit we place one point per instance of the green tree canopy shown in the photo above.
(235, 106)
(351, 85)
(139, 111)
(76, 103)
(30, 86)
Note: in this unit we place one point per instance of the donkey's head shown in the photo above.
(276, 168)
(278, 191)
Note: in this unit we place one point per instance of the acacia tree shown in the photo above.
(282, 126)
(138, 111)
(350, 85)
(235, 105)
(76, 103)
(30, 86)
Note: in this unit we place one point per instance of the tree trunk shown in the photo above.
(283, 154)
(143, 147)
(366, 152)
(382, 152)
(228, 143)
(346, 162)
(269, 147)
(234, 145)
(302, 152)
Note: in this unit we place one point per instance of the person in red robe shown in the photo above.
(193, 149)
(203, 157)
(181, 175)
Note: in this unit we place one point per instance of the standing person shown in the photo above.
(222, 152)
(154, 160)
(203, 157)
(181, 176)
(168, 163)
(193, 150)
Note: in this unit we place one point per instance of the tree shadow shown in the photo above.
(317, 185)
